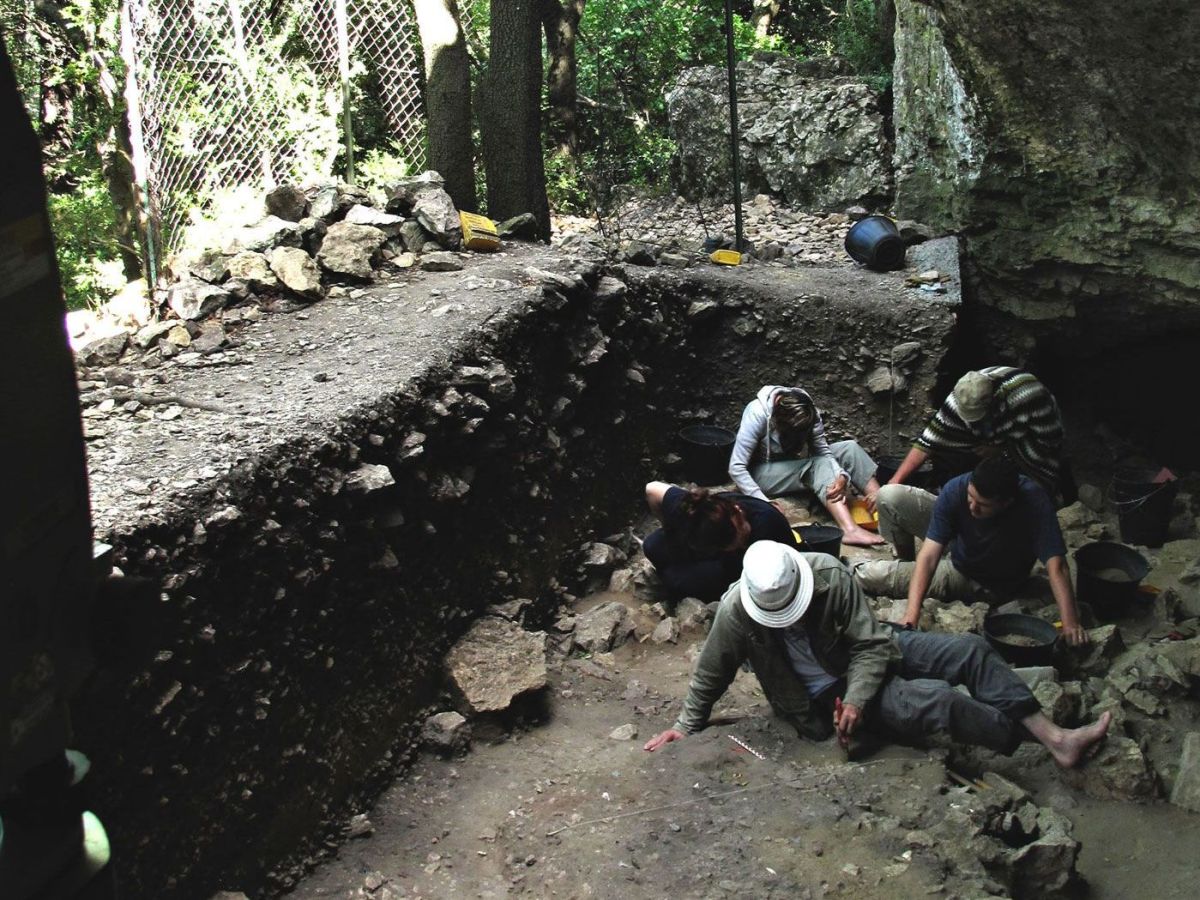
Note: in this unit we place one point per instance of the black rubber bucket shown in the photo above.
(1107, 575)
(820, 539)
(876, 243)
(705, 450)
(1143, 505)
(1037, 638)
(886, 467)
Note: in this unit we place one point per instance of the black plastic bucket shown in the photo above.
(886, 467)
(876, 243)
(1107, 575)
(705, 450)
(1039, 634)
(820, 539)
(1143, 505)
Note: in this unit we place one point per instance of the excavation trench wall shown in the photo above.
(313, 581)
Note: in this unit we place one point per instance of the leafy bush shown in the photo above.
(88, 256)
(380, 168)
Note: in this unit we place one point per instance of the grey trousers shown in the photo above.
(920, 699)
(904, 513)
(817, 473)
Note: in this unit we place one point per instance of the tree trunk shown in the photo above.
(762, 14)
(511, 115)
(560, 19)
(448, 98)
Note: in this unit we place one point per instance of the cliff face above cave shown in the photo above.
(1058, 137)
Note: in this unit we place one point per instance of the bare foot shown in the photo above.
(1069, 747)
(860, 537)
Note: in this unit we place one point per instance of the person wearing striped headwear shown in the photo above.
(998, 410)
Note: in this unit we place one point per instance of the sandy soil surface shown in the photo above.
(560, 809)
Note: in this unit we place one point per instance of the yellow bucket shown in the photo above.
(479, 232)
(862, 516)
(726, 257)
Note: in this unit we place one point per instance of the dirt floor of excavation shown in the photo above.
(561, 809)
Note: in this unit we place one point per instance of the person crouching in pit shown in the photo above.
(781, 449)
(698, 551)
(827, 665)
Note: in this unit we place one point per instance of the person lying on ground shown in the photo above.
(996, 410)
(781, 449)
(996, 523)
(827, 665)
(698, 551)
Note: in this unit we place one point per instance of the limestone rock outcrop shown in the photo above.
(1057, 140)
(814, 140)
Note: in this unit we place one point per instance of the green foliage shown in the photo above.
(631, 50)
(858, 39)
(88, 255)
(380, 168)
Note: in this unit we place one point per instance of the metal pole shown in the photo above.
(343, 42)
(733, 127)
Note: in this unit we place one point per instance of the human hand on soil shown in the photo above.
(665, 738)
(846, 717)
(837, 490)
(1075, 635)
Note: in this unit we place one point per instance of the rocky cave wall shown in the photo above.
(309, 596)
(1056, 137)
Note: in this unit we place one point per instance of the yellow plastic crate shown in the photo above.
(479, 232)
(726, 257)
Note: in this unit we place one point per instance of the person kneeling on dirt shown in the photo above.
(698, 551)
(781, 449)
(826, 664)
(995, 521)
(998, 410)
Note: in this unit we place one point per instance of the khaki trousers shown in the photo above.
(904, 514)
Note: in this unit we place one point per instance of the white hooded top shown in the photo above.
(758, 442)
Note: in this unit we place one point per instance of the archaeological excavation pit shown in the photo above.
(349, 490)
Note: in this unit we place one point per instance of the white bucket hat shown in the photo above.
(776, 585)
(973, 396)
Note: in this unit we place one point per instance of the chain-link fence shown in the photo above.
(250, 92)
(24, 39)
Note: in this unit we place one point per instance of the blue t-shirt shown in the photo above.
(998, 551)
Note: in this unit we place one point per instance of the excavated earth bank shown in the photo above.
(330, 502)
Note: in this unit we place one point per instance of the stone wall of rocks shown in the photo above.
(809, 134)
(311, 594)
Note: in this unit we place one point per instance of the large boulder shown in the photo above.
(425, 198)
(1059, 180)
(350, 249)
(495, 662)
(360, 214)
(287, 202)
(815, 141)
(298, 273)
(604, 628)
(194, 299)
(1119, 771)
(253, 269)
(265, 235)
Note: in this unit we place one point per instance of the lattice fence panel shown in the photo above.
(247, 92)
